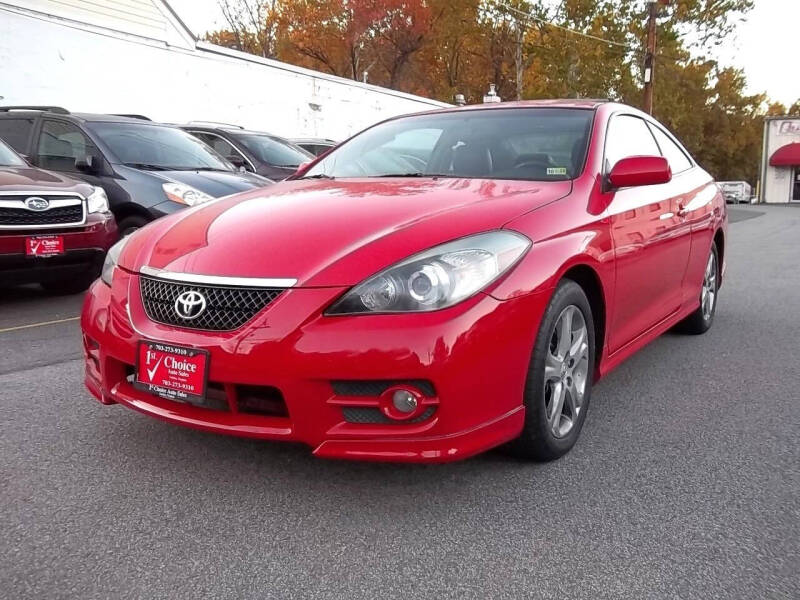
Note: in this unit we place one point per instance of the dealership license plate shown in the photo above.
(172, 372)
(44, 245)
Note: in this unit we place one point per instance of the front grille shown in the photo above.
(374, 416)
(62, 215)
(227, 308)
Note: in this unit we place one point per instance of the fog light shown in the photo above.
(404, 401)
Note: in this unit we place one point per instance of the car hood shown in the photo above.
(330, 233)
(213, 183)
(23, 179)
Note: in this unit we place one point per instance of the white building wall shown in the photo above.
(85, 68)
(778, 180)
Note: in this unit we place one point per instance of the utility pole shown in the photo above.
(650, 57)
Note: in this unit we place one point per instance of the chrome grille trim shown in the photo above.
(15, 200)
(220, 280)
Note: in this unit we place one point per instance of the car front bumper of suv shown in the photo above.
(84, 249)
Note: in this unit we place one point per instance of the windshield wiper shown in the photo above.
(414, 174)
(148, 166)
(318, 176)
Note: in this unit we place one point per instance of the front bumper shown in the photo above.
(471, 362)
(84, 250)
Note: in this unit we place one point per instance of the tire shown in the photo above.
(128, 225)
(701, 320)
(539, 440)
(73, 285)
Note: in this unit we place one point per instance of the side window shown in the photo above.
(676, 157)
(16, 133)
(60, 145)
(628, 136)
(220, 145)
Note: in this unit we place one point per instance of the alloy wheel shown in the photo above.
(566, 369)
(708, 294)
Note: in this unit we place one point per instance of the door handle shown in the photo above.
(666, 215)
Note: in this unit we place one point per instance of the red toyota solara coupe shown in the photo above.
(438, 285)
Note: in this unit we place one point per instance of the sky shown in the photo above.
(763, 45)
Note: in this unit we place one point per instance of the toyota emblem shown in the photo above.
(190, 305)
(37, 203)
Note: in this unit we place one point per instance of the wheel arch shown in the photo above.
(719, 240)
(589, 281)
(131, 209)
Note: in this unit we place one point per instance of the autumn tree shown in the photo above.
(529, 49)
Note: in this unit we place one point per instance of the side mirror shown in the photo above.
(640, 170)
(89, 164)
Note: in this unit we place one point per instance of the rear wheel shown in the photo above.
(559, 382)
(700, 320)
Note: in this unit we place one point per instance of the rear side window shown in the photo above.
(676, 157)
(60, 145)
(16, 133)
(220, 145)
(628, 136)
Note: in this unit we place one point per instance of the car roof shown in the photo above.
(84, 117)
(549, 103)
(232, 129)
(572, 103)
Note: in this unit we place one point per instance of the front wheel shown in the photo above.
(559, 382)
(700, 320)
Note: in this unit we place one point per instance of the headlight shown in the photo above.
(112, 257)
(185, 194)
(97, 202)
(437, 278)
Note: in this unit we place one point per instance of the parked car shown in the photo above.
(316, 146)
(253, 151)
(418, 307)
(736, 192)
(148, 170)
(54, 230)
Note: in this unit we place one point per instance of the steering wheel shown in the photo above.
(416, 161)
(533, 162)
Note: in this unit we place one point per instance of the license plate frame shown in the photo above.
(168, 381)
(44, 246)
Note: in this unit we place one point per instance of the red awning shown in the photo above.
(786, 156)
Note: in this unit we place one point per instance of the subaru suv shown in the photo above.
(54, 230)
(147, 169)
(253, 151)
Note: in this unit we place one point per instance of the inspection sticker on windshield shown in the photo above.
(556, 170)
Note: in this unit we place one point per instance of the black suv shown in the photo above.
(253, 151)
(146, 169)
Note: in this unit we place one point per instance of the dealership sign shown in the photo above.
(789, 128)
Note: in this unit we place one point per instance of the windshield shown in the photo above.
(158, 147)
(546, 144)
(274, 151)
(9, 158)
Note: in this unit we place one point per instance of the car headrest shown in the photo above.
(473, 160)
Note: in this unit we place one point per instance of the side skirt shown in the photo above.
(611, 362)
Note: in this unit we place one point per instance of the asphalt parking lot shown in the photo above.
(684, 483)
